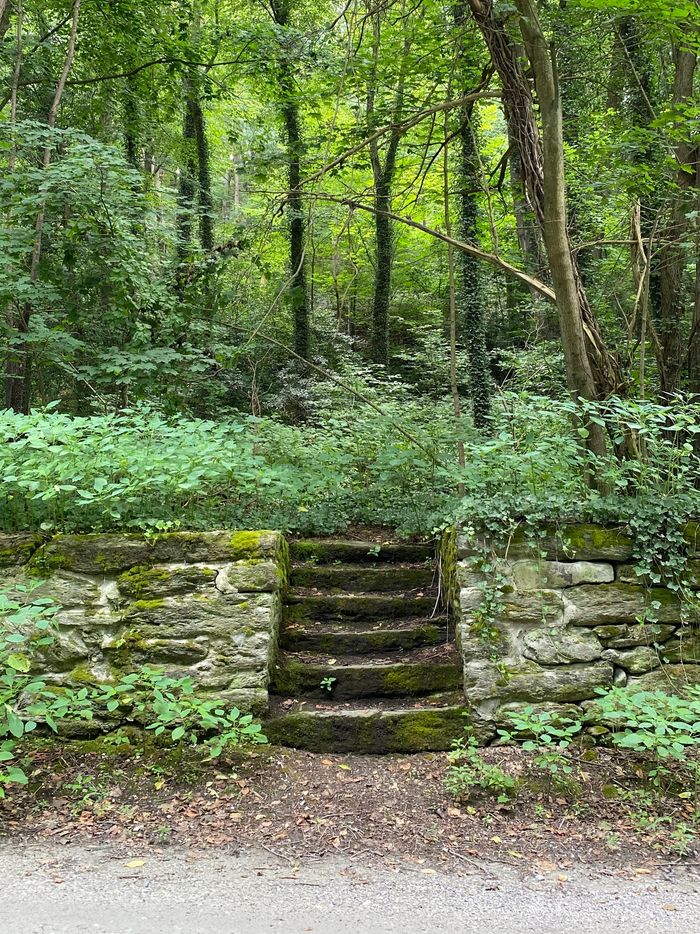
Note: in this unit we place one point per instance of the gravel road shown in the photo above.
(48, 889)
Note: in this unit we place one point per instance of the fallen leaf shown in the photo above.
(135, 863)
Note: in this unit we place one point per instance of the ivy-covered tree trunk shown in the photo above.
(384, 258)
(205, 201)
(470, 295)
(297, 228)
(186, 187)
(673, 256)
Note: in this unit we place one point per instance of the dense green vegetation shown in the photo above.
(285, 264)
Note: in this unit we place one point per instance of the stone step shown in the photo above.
(377, 676)
(330, 550)
(356, 606)
(358, 639)
(360, 579)
(361, 727)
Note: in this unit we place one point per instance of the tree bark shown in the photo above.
(591, 370)
(383, 178)
(18, 368)
(673, 257)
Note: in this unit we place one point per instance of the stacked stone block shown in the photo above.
(567, 617)
(206, 605)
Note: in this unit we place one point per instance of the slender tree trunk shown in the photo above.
(383, 178)
(18, 370)
(186, 187)
(204, 195)
(471, 300)
(297, 226)
(298, 290)
(580, 376)
(673, 257)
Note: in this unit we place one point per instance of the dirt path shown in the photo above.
(81, 888)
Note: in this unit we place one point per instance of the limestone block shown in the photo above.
(66, 651)
(486, 681)
(550, 645)
(625, 637)
(143, 582)
(534, 607)
(190, 616)
(576, 542)
(673, 679)
(17, 547)
(534, 575)
(217, 547)
(250, 576)
(686, 648)
(635, 661)
(604, 604)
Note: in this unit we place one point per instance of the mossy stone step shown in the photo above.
(329, 550)
(330, 639)
(369, 730)
(356, 606)
(357, 578)
(291, 676)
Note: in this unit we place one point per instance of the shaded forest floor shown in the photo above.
(389, 811)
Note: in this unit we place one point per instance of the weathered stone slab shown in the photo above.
(551, 645)
(673, 679)
(191, 616)
(625, 637)
(488, 681)
(579, 542)
(110, 554)
(635, 661)
(686, 648)
(250, 576)
(535, 575)
(17, 547)
(144, 582)
(604, 604)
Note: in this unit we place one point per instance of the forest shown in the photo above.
(302, 266)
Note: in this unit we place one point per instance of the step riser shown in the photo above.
(346, 608)
(358, 580)
(328, 552)
(408, 680)
(374, 733)
(362, 643)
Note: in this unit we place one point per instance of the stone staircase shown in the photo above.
(367, 658)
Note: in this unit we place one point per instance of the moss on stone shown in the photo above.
(138, 582)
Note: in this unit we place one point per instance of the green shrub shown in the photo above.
(469, 772)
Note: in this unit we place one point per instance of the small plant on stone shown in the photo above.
(27, 627)
(469, 772)
(327, 684)
(548, 735)
(171, 707)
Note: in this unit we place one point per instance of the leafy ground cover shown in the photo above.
(390, 810)
(349, 465)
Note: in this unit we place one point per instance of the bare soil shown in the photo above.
(388, 810)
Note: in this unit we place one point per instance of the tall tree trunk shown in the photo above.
(18, 368)
(383, 177)
(204, 195)
(471, 299)
(186, 186)
(674, 255)
(289, 94)
(580, 375)
(591, 370)
(297, 225)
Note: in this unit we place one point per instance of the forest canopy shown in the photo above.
(304, 265)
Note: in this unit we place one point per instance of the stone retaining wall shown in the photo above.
(551, 622)
(207, 605)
